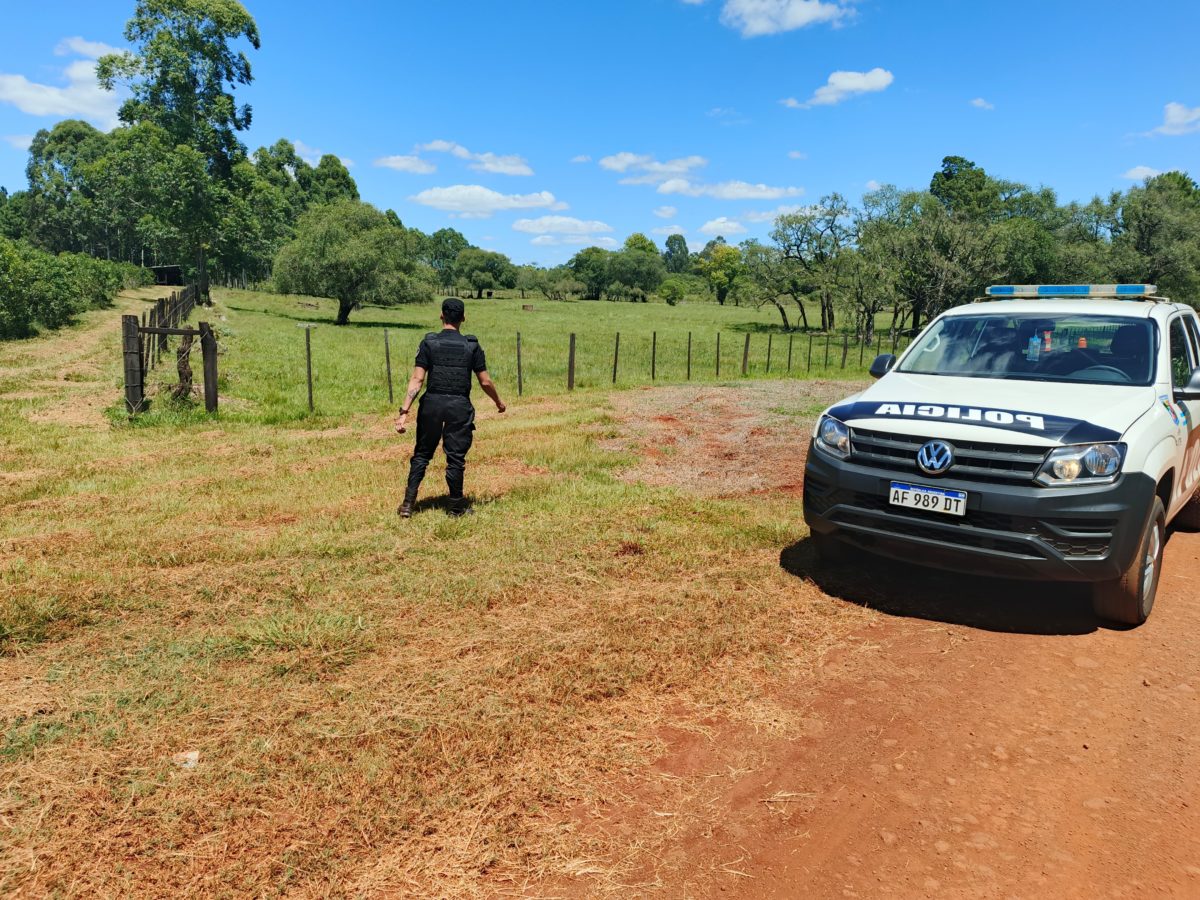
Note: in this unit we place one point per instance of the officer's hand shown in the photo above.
(500, 407)
(401, 423)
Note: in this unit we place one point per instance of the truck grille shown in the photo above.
(973, 460)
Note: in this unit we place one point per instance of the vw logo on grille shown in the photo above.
(935, 457)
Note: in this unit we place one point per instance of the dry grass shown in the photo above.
(380, 707)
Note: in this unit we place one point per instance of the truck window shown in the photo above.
(1181, 360)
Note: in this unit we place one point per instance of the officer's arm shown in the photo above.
(414, 388)
(489, 388)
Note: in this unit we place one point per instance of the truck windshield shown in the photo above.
(1043, 347)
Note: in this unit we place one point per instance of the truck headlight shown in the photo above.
(1082, 464)
(833, 437)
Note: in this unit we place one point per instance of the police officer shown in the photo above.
(447, 358)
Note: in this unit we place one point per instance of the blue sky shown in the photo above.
(538, 126)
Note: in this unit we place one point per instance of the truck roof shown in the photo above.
(1133, 309)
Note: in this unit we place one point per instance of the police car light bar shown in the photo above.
(1121, 291)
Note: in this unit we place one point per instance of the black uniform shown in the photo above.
(446, 414)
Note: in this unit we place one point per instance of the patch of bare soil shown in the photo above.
(976, 738)
(723, 440)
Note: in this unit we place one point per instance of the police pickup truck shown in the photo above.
(1050, 432)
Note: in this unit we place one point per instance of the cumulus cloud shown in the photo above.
(412, 164)
(754, 18)
(19, 141)
(722, 226)
(1179, 119)
(872, 185)
(728, 190)
(473, 201)
(481, 162)
(560, 225)
(640, 168)
(668, 230)
(980, 103)
(770, 215)
(797, 154)
(312, 155)
(666, 212)
(81, 96)
(1141, 173)
(581, 158)
(572, 240)
(842, 86)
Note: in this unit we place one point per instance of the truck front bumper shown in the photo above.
(1078, 533)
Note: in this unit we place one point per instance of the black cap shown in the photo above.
(453, 310)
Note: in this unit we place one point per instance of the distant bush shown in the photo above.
(38, 288)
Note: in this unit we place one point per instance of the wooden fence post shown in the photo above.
(689, 357)
(845, 348)
(653, 355)
(308, 364)
(387, 359)
(810, 343)
(132, 353)
(616, 355)
(828, 337)
(520, 374)
(183, 365)
(718, 354)
(878, 342)
(862, 348)
(791, 338)
(770, 336)
(746, 355)
(571, 363)
(208, 346)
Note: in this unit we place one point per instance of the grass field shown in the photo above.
(263, 361)
(377, 706)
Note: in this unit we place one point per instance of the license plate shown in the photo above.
(916, 496)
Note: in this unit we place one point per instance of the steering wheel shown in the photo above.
(1124, 375)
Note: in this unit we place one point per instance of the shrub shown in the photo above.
(16, 316)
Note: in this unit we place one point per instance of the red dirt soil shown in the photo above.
(980, 738)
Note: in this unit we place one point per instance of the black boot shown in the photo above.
(405, 510)
(459, 507)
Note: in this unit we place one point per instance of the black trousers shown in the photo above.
(448, 420)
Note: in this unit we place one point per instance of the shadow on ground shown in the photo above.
(909, 591)
(317, 318)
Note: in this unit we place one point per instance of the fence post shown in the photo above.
(810, 343)
(878, 342)
(308, 364)
(828, 337)
(132, 354)
(689, 357)
(162, 322)
(387, 358)
(718, 354)
(770, 336)
(895, 337)
(746, 354)
(791, 338)
(616, 355)
(845, 348)
(208, 346)
(571, 364)
(520, 372)
(653, 355)
(862, 348)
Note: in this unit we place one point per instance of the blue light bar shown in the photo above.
(1125, 291)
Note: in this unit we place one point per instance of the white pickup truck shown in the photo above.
(1049, 432)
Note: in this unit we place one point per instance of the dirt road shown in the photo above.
(978, 739)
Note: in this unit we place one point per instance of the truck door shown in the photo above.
(1185, 357)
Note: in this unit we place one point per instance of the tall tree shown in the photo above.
(720, 268)
(639, 242)
(817, 240)
(676, 256)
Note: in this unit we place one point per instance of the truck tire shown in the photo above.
(1189, 516)
(830, 551)
(1129, 599)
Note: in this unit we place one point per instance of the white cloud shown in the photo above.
(1179, 119)
(721, 112)
(411, 164)
(723, 226)
(19, 141)
(666, 212)
(872, 185)
(560, 225)
(797, 154)
(312, 155)
(980, 103)
(842, 86)
(1141, 173)
(581, 158)
(644, 169)
(473, 201)
(81, 96)
(77, 46)
(728, 190)
(481, 162)
(754, 18)
(770, 215)
(572, 240)
(668, 230)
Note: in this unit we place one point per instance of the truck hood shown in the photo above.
(1040, 412)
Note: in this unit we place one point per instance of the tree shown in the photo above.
(351, 252)
(331, 181)
(720, 268)
(817, 239)
(672, 290)
(590, 268)
(767, 275)
(1156, 235)
(530, 278)
(634, 272)
(441, 252)
(640, 243)
(484, 270)
(676, 256)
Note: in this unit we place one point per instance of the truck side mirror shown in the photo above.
(882, 364)
(1191, 390)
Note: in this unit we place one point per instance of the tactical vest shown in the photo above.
(451, 355)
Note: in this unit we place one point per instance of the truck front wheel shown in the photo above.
(1130, 598)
